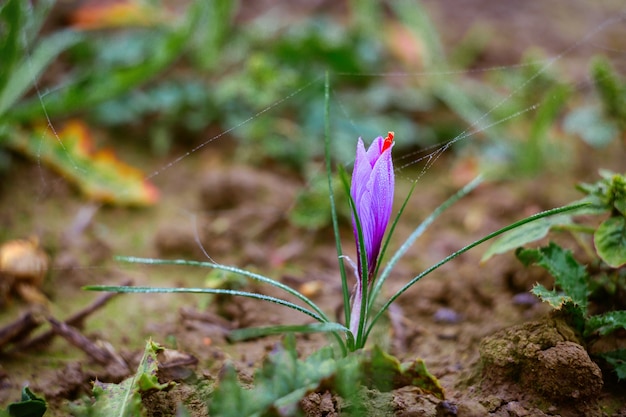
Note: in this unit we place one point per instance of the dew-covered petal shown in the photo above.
(361, 172)
(372, 191)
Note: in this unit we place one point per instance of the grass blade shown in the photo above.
(31, 67)
(252, 275)
(96, 85)
(333, 207)
(162, 290)
(465, 249)
(254, 332)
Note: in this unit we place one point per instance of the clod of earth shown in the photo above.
(544, 357)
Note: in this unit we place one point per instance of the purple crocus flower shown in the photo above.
(372, 192)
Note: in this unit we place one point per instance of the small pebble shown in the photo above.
(515, 409)
(446, 409)
(449, 334)
(525, 299)
(447, 315)
(491, 403)
(471, 408)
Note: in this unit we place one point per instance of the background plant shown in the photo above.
(26, 116)
(593, 296)
(195, 84)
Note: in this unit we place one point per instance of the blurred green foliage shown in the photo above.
(34, 91)
(600, 122)
(103, 68)
(312, 209)
(182, 75)
(66, 71)
(22, 63)
(265, 65)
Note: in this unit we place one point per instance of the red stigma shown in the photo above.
(388, 142)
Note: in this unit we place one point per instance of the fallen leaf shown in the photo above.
(100, 15)
(98, 174)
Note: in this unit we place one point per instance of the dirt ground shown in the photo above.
(466, 320)
(495, 349)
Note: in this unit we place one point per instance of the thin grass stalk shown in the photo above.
(162, 290)
(253, 332)
(333, 206)
(213, 265)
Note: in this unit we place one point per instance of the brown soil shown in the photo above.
(495, 350)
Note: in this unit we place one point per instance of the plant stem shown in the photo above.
(333, 207)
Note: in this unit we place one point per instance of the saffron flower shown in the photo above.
(372, 192)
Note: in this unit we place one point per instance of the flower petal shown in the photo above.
(372, 191)
(374, 151)
(361, 173)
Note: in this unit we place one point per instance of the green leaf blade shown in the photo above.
(254, 332)
(279, 384)
(96, 84)
(554, 299)
(30, 68)
(525, 234)
(569, 275)
(606, 323)
(29, 406)
(589, 123)
(419, 230)
(535, 217)
(12, 18)
(617, 359)
(386, 373)
(124, 399)
(610, 241)
(150, 290)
